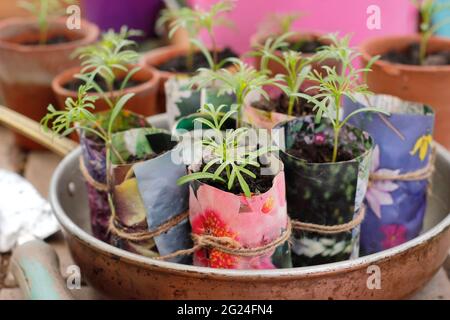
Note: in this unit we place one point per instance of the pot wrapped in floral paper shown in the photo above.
(150, 211)
(327, 164)
(401, 167)
(93, 166)
(324, 197)
(237, 205)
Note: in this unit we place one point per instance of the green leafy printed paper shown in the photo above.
(182, 100)
(146, 194)
(325, 193)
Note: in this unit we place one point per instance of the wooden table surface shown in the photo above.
(38, 166)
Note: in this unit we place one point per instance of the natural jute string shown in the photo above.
(424, 173)
(145, 235)
(334, 229)
(90, 180)
(230, 246)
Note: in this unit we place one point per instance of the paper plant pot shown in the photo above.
(26, 71)
(182, 101)
(147, 196)
(144, 101)
(94, 161)
(395, 208)
(252, 222)
(424, 84)
(324, 193)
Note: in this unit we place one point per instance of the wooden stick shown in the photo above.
(33, 130)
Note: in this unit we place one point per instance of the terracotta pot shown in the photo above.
(276, 68)
(26, 71)
(158, 56)
(424, 84)
(143, 103)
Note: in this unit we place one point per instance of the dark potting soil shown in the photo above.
(51, 41)
(410, 56)
(178, 64)
(280, 104)
(305, 46)
(317, 153)
(76, 83)
(261, 184)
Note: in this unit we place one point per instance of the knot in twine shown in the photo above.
(230, 246)
(333, 229)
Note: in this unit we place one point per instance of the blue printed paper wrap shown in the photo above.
(395, 209)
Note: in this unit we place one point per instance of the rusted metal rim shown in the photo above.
(71, 161)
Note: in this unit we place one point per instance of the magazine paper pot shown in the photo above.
(252, 222)
(182, 101)
(94, 162)
(395, 208)
(146, 194)
(326, 194)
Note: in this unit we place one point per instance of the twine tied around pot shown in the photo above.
(333, 229)
(89, 179)
(230, 246)
(424, 173)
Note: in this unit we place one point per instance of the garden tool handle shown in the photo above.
(33, 130)
(35, 267)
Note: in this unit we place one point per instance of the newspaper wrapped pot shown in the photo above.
(324, 194)
(396, 207)
(146, 195)
(94, 162)
(251, 222)
(181, 100)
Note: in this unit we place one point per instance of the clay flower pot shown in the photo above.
(395, 207)
(147, 196)
(26, 71)
(325, 194)
(157, 57)
(144, 101)
(424, 84)
(251, 222)
(276, 68)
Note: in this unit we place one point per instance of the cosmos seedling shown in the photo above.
(77, 115)
(241, 81)
(111, 55)
(334, 85)
(194, 21)
(44, 10)
(230, 155)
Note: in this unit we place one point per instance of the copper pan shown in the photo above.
(117, 273)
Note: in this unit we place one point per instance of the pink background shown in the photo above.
(345, 16)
